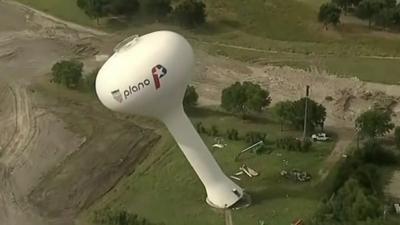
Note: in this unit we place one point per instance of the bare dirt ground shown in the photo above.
(54, 146)
(54, 152)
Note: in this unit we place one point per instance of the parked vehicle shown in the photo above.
(320, 137)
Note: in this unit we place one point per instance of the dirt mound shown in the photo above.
(344, 98)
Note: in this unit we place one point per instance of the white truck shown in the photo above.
(320, 137)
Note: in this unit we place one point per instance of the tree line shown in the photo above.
(188, 13)
(245, 99)
(384, 13)
(357, 194)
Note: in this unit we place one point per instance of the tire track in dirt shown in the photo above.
(26, 127)
(6, 90)
(14, 209)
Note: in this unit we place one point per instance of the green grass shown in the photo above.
(367, 69)
(164, 188)
(289, 27)
(64, 9)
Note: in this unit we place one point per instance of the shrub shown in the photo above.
(289, 143)
(200, 128)
(67, 72)
(190, 13)
(253, 137)
(214, 131)
(374, 153)
(232, 134)
(191, 96)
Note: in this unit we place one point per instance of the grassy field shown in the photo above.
(289, 28)
(64, 9)
(164, 188)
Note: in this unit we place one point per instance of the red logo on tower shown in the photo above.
(158, 72)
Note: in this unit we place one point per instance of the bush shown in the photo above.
(68, 73)
(191, 97)
(294, 144)
(253, 137)
(158, 8)
(374, 153)
(232, 134)
(118, 217)
(200, 128)
(190, 13)
(214, 131)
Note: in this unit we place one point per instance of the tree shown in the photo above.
(101, 8)
(293, 113)
(385, 17)
(214, 131)
(190, 13)
(253, 137)
(244, 98)
(284, 111)
(396, 16)
(367, 9)
(329, 13)
(390, 3)
(68, 73)
(191, 96)
(94, 8)
(352, 204)
(374, 123)
(397, 137)
(158, 8)
(123, 7)
(232, 134)
(344, 4)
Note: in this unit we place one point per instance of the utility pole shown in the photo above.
(306, 113)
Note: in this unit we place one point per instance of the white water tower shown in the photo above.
(148, 76)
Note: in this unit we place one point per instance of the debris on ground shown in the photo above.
(85, 50)
(244, 169)
(296, 175)
(298, 222)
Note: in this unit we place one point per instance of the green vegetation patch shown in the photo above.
(164, 188)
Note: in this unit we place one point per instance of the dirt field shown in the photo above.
(54, 152)
(55, 146)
